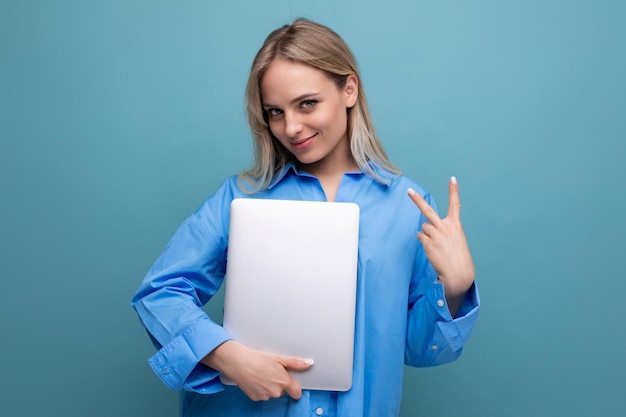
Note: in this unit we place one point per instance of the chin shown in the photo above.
(308, 160)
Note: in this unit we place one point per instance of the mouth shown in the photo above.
(303, 143)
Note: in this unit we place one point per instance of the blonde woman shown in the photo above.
(314, 140)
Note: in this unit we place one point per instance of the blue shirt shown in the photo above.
(401, 314)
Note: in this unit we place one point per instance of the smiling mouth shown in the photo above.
(303, 143)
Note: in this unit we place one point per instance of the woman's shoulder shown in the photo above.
(230, 188)
(222, 196)
(402, 183)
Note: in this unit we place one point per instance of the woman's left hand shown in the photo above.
(446, 247)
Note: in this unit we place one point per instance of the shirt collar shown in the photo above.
(386, 177)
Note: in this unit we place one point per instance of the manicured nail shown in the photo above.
(309, 361)
(453, 180)
(411, 192)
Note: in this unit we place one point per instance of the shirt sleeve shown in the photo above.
(169, 301)
(434, 337)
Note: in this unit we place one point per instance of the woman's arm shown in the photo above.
(259, 374)
(446, 247)
(443, 299)
(192, 349)
(169, 301)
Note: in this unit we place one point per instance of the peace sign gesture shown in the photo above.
(446, 247)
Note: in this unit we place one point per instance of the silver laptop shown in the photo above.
(290, 284)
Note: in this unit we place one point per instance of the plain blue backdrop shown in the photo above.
(117, 119)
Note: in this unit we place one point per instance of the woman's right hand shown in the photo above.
(260, 375)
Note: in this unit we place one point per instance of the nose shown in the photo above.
(293, 124)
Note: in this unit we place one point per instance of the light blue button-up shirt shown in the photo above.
(401, 315)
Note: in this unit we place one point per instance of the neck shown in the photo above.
(329, 171)
(335, 164)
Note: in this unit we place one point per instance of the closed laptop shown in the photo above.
(290, 284)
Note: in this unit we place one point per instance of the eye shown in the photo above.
(307, 104)
(273, 113)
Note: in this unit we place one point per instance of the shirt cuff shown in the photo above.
(457, 331)
(177, 363)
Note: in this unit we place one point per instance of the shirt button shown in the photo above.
(434, 347)
(319, 411)
(440, 303)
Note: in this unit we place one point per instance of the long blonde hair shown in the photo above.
(318, 46)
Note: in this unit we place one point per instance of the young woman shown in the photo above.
(416, 298)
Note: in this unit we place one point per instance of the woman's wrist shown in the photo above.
(219, 357)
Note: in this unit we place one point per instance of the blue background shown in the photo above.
(117, 119)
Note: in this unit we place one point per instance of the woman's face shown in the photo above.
(307, 113)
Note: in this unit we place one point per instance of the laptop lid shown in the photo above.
(290, 284)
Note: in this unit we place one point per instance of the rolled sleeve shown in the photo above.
(443, 342)
(175, 362)
(169, 301)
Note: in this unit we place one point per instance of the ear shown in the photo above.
(351, 90)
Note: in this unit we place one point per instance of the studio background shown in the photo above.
(118, 118)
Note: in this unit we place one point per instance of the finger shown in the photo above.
(423, 238)
(454, 204)
(428, 229)
(293, 389)
(296, 364)
(424, 207)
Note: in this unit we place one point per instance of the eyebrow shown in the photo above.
(295, 100)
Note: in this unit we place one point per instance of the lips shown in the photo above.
(302, 143)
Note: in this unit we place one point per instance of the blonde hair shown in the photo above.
(318, 46)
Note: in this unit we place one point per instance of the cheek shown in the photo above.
(332, 119)
(277, 131)
(337, 121)
(275, 128)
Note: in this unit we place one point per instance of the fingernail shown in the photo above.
(411, 191)
(453, 180)
(309, 361)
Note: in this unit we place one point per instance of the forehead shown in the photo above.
(284, 80)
